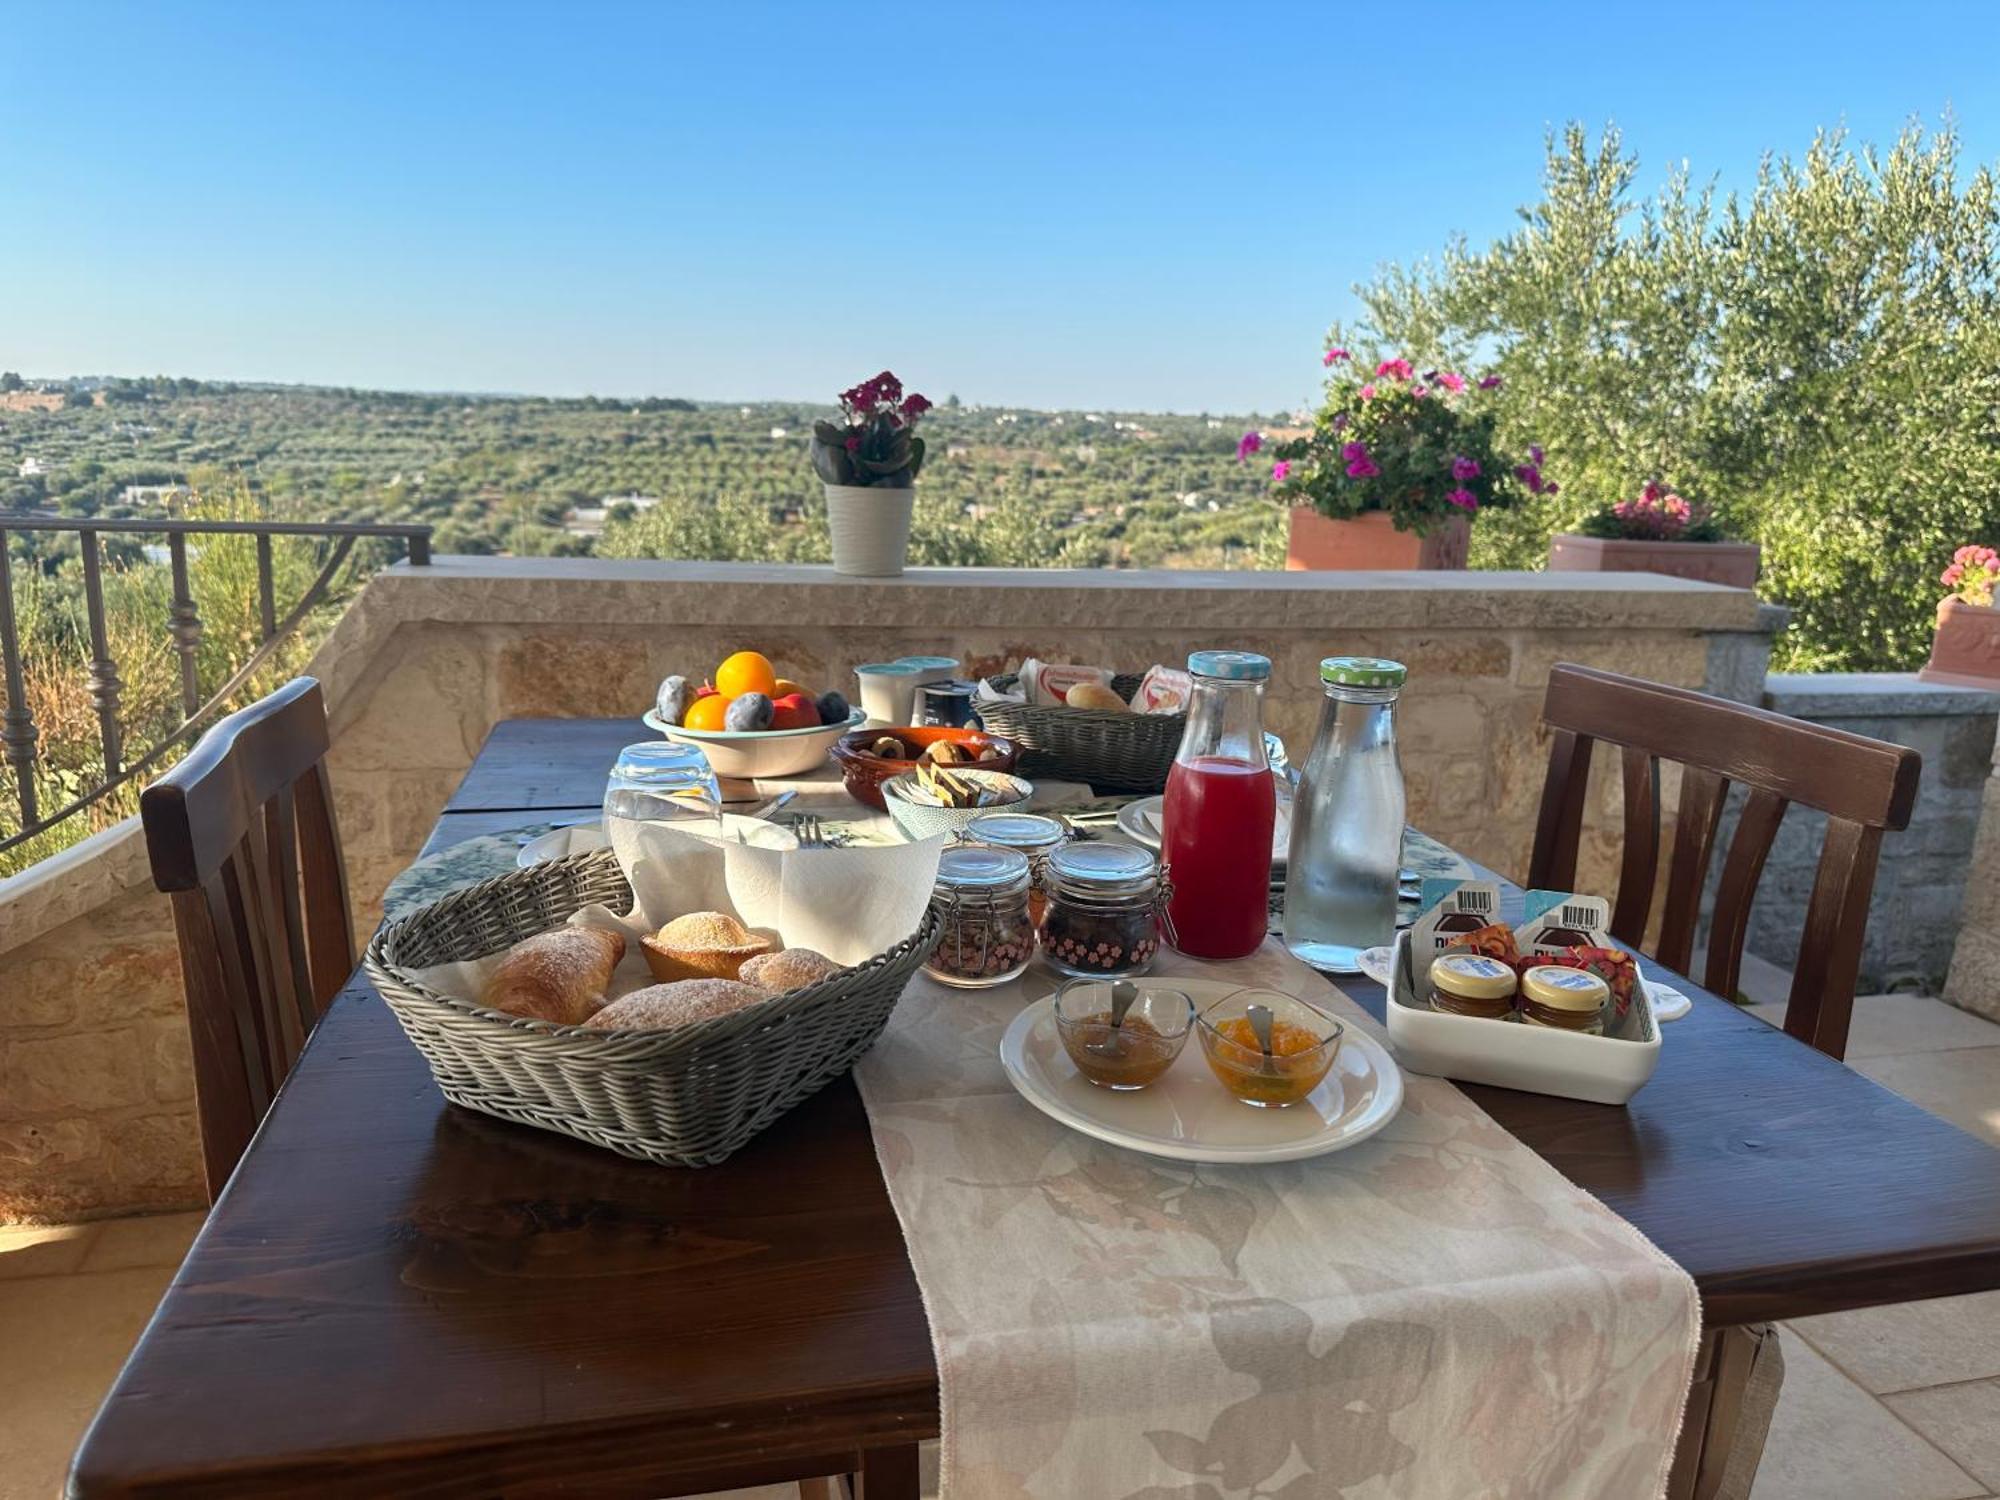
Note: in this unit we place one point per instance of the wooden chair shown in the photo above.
(242, 837)
(1863, 786)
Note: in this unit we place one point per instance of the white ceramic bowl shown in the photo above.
(750, 753)
(920, 820)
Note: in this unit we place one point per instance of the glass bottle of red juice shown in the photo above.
(1216, 843)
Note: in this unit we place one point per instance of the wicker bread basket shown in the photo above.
(688, 1097)
(1114, 752)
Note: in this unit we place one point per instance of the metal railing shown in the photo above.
(19, 733)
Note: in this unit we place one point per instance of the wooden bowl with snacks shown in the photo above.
(863, 767)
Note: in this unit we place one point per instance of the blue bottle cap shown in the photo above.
(1230, 666)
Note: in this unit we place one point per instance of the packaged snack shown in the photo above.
(1047, 684)
(1494, 940)
(1612, 965)
(1163, 690)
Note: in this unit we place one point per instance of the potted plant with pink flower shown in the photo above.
(1965, 651)
(869, 461)
(1394, 468)
(1657, 532)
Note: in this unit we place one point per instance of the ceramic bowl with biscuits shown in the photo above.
(869, 757)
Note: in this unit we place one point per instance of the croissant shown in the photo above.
(556, 976)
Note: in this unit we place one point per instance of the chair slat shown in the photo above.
(236, 949)
(1703, 793)
(1829, 962)
(323, 872)
(222, 1072)
(282, 845)
(1749, 847)
(1639, 867)
(1560, 826)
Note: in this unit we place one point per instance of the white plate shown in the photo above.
(1140, 822)
(558, 843)
(1188, 1115)
(736, 829)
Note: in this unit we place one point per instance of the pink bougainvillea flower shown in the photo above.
(1368, 392)
(1398, 369)
(1451, 382)
(1418, 390)
(1464, 499)
(1334, 354)
(1248, 444)
(1463, 468)
(1490, 383)
(1281, 471)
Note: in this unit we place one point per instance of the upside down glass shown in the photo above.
(661, 781)
(1347, 820)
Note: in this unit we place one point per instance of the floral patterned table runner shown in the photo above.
(1434, 1313)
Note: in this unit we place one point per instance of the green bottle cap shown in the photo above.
(1362, 672)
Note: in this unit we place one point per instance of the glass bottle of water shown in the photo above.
(1347, 819)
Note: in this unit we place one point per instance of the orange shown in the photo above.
(706, 713)
(746, 672)
(787, 686)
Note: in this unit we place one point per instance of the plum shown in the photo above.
(833, 708)
(748, 711)
(673, 699)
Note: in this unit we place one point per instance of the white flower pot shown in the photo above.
(871, 529)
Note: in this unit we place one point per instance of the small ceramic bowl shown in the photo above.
(750, 753)
(1305, 1042)
(920, 820)
(1135, 1053)
(865, 772)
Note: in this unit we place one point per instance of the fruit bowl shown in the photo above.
(751, 753)
(864, 773)
(920, 820)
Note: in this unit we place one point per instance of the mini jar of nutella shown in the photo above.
(1567, 999)
(1471, 984)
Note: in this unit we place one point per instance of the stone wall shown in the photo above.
(96, 1108)
(1974, 982)
(1920, 883)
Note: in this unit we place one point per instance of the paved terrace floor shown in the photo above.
(1891, 1403)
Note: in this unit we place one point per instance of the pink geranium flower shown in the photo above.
(1280, 471)
(1464, 499)
(1368, 392)
(1463, 468)
(1451, 382)
(1334, 354)
(1398, 369)
(1359, 464)
(1490, 383)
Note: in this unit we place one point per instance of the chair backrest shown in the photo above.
(242, 838)
(1863, 786)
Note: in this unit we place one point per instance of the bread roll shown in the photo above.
(661, 1007)
(1093, 695)
(787, 969)
(556, 976)
(701, 945)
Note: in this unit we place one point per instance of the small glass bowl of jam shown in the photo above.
(1304, 1042)
(1136, 1051)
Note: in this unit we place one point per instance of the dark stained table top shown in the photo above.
(395, 1296)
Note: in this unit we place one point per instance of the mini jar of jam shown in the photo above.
(1568, 999)
(1104, 910)
(1031, 833)
(1472, 984)
(982, 897)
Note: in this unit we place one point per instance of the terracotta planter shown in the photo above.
(1965, 652)
(1731, 563)
(1371, 541)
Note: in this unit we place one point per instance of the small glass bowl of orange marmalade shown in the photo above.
(1304, 1042)
(1136, 1051)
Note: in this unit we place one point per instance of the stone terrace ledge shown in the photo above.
(95, 1093)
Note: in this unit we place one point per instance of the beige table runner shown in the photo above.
(1435, 1314)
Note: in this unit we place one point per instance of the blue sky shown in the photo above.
(1076, 204)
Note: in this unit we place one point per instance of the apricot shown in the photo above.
(746, 672)
(706, 713)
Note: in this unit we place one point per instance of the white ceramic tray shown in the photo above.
(1188, 1115)
(1538, 1059)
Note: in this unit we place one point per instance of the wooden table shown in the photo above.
(395, 1297)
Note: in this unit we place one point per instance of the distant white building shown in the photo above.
(637, 502)
(585, 520)
(30, 467)
(778, 434)
(153, 494)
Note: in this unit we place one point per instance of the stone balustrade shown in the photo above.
(96, 1097)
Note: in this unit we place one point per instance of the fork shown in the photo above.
(807, 827)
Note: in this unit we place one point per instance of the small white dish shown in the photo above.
(1188, 1115)
(560, 843)
(1142, 822)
